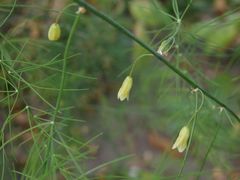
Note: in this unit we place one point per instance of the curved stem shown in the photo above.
(152, 51)
(197, 109)
(61, 12)
(135, 62)
(200, 106)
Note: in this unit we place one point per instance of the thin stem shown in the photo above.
(9, 14)
(192, 131)
(63, 77)
(135, 62)
(161, 11)
(103, 165)
(61, 12)
(187, 150)
(184, 12)
(200, 106)
(62, 84)
(122, 29)
(21, 133)
(175, 8)
(208, 151)
(229, 118)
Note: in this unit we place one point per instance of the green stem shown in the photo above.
(61, 12)
(61, 87)
(185, 10)
(188, 148)
(135, 62)
(152, 51)
(191, 135)
(208, 151)
(63, 77)
(175, 8)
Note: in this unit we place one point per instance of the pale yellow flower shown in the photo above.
(182, 139)
(54, 32)
(123, 92)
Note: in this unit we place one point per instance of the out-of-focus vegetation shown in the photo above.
(95, 136)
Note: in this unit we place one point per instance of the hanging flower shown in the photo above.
(182, 139)
(54, 32)
(123, 92)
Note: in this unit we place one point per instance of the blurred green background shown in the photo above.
(95, 125)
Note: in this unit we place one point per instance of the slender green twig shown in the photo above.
(63, 77)
(185, 10)
(208, 150)
(21, 133)
(9, 14)
(152, 51)
(61, 12)
(104, 165)
(136, 61)
(188, 148)
(62, 84)
(194, 118)
(175, 8)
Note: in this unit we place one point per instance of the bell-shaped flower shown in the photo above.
(182, 139)
(124, 91)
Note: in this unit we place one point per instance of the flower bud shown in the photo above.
(54, 32)
(81, 10)
(165, 46)
(123, 92)
(182, 139)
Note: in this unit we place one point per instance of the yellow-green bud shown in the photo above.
(54, 32)
(123, 92)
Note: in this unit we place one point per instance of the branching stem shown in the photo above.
(153, 52)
